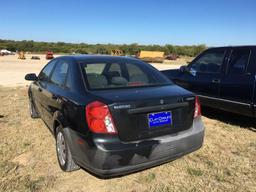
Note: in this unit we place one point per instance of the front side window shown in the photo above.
(59, 74)
(45, 73)
(238, 61)
(209, 62)
(122, 74)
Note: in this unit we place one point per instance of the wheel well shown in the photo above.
(56, 123)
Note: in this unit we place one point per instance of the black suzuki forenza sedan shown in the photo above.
(114, 115)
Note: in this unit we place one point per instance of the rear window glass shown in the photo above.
(121, 74)
(98, 69)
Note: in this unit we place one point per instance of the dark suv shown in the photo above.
(114, 115)
(223, 77)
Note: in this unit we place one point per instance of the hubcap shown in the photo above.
(61, 148)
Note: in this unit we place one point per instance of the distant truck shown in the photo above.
(49, 55)
(172, 57)
(151, 56)
(222, 77)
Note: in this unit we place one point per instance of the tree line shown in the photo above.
(83, 48)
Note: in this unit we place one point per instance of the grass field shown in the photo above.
(226, 162)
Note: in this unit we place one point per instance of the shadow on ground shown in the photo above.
(230, 118)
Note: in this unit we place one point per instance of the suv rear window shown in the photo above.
(121, 74)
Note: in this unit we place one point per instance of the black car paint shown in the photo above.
(143, 98)
(109, 155)
(233, 93)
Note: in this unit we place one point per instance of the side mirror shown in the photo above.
(31, 77)
(183, 68)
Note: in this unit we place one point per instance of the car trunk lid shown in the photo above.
(149, 112)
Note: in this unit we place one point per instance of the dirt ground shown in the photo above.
(13, 70)
(226, 162)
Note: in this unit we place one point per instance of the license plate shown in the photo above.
(159, 119)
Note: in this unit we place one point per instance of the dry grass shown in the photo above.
(226, 162)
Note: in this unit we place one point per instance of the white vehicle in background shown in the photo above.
(5, 52)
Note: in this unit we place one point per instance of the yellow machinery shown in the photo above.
(151, 56)
(21, 55)
(117, 52)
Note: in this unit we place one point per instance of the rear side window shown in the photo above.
(122, 74)
(45, 73)
(239, 60)
(210, 62)
(59, 74)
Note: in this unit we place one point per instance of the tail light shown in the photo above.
(197, 112)
(99, 118)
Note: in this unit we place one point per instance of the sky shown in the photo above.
(178, 22)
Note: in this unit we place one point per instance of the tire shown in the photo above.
(32, 111)
(64, 156)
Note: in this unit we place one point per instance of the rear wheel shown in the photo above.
(63, 152)
(32, 111)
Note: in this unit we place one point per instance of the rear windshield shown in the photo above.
(121, 74)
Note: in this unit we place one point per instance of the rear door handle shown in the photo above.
(215, 81)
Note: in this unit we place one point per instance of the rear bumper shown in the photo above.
(108, 156)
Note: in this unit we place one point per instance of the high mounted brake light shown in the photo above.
(99, 118)
(197, 112)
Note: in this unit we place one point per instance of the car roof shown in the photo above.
(81, 58)
(238, 46)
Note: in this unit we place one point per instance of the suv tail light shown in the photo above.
(197, 112)
(99, 118)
